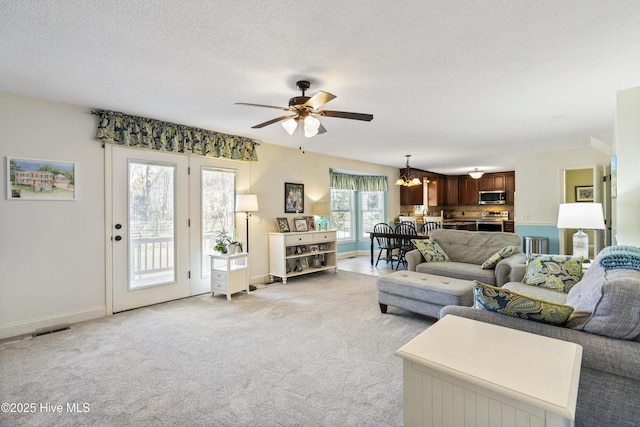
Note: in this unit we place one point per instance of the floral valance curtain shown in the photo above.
(345, 181)
(123, 129)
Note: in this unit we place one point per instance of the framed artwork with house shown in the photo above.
(33, 179)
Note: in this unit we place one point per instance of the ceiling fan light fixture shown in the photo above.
(290, 125)
(476, 173)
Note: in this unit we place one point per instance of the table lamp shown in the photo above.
(247, 203)
(581, 216)
(320, 209)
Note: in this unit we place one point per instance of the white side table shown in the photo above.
(229, 273)
(462, 371)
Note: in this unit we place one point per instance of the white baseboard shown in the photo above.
(29, 326)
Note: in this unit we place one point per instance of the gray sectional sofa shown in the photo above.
(467, 251)
(606, 323)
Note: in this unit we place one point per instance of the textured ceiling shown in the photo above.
(457, 84)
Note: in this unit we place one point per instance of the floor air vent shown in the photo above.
(51, 330)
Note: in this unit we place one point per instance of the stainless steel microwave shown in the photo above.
(492, 197)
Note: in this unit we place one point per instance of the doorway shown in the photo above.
(166, 210)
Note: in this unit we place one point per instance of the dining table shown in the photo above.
(373, 235)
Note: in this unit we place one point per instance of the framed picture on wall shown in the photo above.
(32, 179)
(293, 198)
(584, 193)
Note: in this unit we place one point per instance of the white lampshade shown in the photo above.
(581, 215)
(246, 203)
(321, 208)
(290, 126)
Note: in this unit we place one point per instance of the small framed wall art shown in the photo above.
(32, 179)
(293, 198)
(584, 193)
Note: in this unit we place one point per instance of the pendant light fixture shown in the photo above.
(406, 180)
(476, 174)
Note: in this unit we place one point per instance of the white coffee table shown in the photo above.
(464, 372)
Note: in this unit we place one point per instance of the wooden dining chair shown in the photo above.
(428, 226)
(386, 244)
(404, 233)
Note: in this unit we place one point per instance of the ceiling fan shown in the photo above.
(305, 108)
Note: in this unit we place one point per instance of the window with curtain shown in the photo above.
(342, 214)
(371, 211)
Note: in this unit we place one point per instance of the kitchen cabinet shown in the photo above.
(467, 190)
(510, 187)
(411, 195)
(509, 227)
(452, 191)
(492, 182)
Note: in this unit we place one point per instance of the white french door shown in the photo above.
(164, 221)
(150, 230)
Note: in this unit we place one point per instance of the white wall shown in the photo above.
(628, 153)
(539, 181)
(540, 189)
(52, 267)
(52, 254)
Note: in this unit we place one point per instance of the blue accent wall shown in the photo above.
(548, 231)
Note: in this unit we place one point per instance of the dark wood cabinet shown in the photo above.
(411, 195)
(467, 190)
(510, 187)
(452, 191)
(492, 182)
(509, 227)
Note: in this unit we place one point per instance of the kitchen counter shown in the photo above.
(459, 225)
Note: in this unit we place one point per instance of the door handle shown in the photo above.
(118, 226)
(118, 238)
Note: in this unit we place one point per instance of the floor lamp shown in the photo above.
(581, 216)
(247, 203)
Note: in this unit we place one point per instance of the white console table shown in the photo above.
(296, 253)
(463, 372)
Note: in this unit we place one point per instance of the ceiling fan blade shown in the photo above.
(270, 122)
(319, 99)
(262, 105)
(346, 115)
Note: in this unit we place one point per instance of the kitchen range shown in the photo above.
(492, 221)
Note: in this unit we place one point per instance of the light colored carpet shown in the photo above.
(314, 352)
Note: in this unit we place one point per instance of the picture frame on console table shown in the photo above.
(301, 224)
(283, 225)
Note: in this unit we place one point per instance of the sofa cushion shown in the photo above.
(607, 302)
(558, 272)
(503, 253)
(537, 292)
(430, 250)
(473, 247)
(458, 270)
(511, 303)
